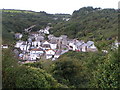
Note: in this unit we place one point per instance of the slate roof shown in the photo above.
(89, 43)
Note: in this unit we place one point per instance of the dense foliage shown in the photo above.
(21, 76)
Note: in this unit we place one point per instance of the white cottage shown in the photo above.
(91, 46)
(49, 53)
(36, 43)
(84, 47)
(73, 46)
(46, 45)
(39, 38)
(35, 53)
(46, 31)
(4, 46)
(53, 46)
(33, 57)
(50, 36)
(18, 44)
(79, 45)
(29, 40)
(24, 47)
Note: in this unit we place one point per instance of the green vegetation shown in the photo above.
(21, 76)
(17, 20)
(73, 69)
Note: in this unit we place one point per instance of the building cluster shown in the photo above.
(37, 47)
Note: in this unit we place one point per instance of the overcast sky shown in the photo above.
(56, 6)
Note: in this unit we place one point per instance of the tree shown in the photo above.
(30, 77)
(69, 72)
(106, 75)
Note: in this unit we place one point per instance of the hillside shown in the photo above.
(18, 20)
(90, 23)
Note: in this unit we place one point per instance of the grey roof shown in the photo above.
(79, 43)
(84, 44)
(89, 43)
(50, 36)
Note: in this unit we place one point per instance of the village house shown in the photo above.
(46, 30)
(34, 57)
(54, 40)
(18, 35)
(46, 45)
(21, 56)
(35, 34)
(41, 31)
(4, 46)
(19, 43)
(53, 46)
(36, 43)
(72, 45)
(91, 46)
(23, 47)
(49, 53)
(37, 51)
(79, 45)
(39, 38)
(29, 40)
(31, 37)
(84, 47)
(50, 37)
